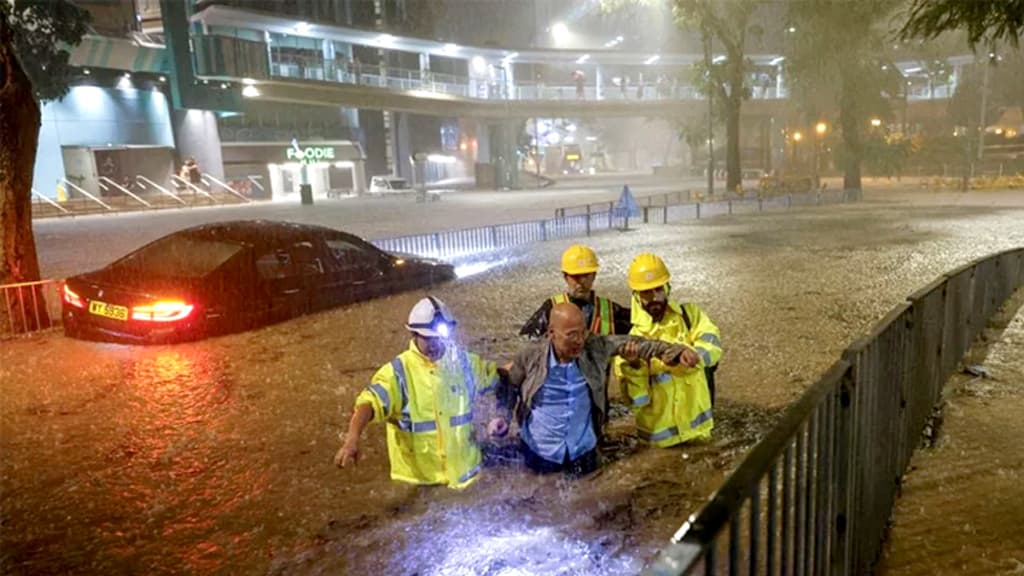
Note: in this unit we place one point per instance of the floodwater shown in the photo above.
(215, 456)
(961, 509)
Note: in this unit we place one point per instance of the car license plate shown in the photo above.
(108, 310)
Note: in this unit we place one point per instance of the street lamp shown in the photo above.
(560, 34)
(797, 137)
(876, 122)
(820, 128)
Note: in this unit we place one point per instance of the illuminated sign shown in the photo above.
(572, 156)
(310, 154)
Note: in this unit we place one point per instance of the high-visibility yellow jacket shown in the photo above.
(672, 403)
(428, 408)
(602, 322)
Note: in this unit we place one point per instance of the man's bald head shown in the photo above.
(567, 330)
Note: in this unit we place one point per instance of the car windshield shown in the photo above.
(179, 256)
(397, 183)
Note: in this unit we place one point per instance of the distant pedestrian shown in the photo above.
(195, 176)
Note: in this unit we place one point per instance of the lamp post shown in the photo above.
(797, 137)
(819, 130)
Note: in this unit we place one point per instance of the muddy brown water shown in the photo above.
(215, 457)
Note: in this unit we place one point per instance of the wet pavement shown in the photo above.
(215, 456)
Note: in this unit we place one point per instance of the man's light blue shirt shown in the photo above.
(560, 422)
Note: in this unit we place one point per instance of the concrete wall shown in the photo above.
(97, 117)
(196, 136)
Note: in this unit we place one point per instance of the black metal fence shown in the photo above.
(815, 495)
(16, 300)
(593, 218)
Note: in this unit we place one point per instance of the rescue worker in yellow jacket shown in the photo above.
(426, 397)
(672, 404)
(602, 315)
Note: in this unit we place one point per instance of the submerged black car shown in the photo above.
(234, 276)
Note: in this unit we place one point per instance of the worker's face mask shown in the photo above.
(654, 301)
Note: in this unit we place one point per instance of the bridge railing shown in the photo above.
(815, 495)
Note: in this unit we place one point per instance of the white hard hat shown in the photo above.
(430, 317)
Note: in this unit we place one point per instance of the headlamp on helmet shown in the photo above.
(431, 318)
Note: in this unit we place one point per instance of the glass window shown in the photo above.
(347, 253)
(178, 256)
(275, 265)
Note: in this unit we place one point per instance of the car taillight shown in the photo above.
(72, 298)
(162, 311)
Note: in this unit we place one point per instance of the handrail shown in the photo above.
(123, 190)
(83, 192)
(50, 200)
(226, 187)
(195, 188)
(158, 187)
(842, 448)
(256, 183)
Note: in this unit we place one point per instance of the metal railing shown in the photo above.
(815, 495)
(455, 244)
(29, 306)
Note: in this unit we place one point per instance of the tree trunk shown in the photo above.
(733, 167)
(19, 125)
(852, 122)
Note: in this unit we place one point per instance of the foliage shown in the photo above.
(42, 31)
(986, 21)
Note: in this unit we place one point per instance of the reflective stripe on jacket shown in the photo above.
(601, 321)
(428, 408)
(671, 404)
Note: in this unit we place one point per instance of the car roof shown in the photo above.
(258, 232)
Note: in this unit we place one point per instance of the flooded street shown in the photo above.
(960, 509)
(215, 456)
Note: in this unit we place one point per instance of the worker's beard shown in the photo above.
(656, 308)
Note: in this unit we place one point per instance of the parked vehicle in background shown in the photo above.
(380, 185)
(234, 276)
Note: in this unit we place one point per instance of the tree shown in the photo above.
(986, 21)
(836, 58)
(727, 23)
(34, 38)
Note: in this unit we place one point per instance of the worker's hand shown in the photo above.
(631, 353)
(497, 428)
(688, 358)
(347, 454)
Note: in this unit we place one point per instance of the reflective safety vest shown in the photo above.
(671, 403)
(601, 321)
(428, 408)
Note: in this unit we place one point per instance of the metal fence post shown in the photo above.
(588, 219)
(437, 244)
(611, 212)
(730, 207)
(698, 210)
(842, 470)
(543, 230)
(494, 237)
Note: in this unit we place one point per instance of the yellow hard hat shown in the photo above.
(647, 272)
(579, 259)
